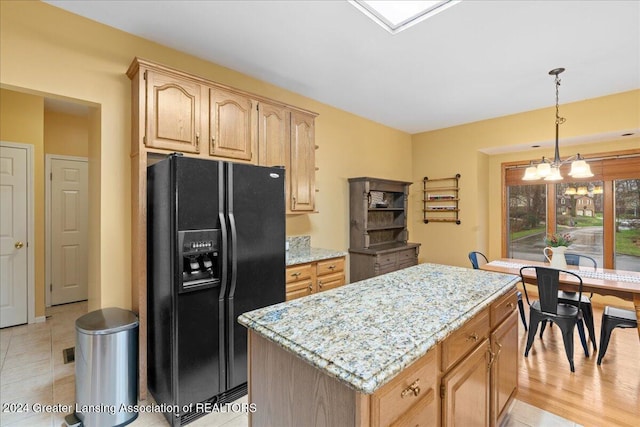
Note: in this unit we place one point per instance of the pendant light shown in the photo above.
(550, 170)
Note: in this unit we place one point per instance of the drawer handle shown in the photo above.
(473, 337)
(310, 288)
(320, 284)
(511, 305)
(331, 267)
(296, 274)
(412, 389)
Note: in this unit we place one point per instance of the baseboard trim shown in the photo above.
(40, 319)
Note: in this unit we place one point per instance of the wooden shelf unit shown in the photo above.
(378, 233)
(447, 208)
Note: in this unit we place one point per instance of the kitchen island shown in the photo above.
(398, 348)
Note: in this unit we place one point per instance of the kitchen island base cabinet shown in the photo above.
(289, 392)
(467, 379)
(504, 383)
(465, 390)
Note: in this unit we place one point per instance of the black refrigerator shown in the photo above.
(215, 249)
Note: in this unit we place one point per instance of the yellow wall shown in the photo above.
(46, 50)
(22, 120)
(445, 152)
(66, 134)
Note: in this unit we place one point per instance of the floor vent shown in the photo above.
(69, 355)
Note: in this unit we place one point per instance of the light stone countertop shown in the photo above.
(304, 255)
(365, 333)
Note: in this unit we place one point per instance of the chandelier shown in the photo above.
(550, 170)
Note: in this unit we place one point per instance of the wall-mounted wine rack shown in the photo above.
(441, 199)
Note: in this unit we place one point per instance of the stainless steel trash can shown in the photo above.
(106, 361)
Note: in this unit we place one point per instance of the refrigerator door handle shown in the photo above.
(223, 238)
(234, 254)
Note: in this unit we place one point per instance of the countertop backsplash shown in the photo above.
(299, 243)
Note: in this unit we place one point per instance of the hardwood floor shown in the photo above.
(605, 395)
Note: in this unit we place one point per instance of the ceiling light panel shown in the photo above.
(395, 16)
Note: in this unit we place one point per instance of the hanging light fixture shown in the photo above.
(550, 170)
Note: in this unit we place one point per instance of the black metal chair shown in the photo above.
(476, 257)
(612, 318)
(572, 297)
(548, 307)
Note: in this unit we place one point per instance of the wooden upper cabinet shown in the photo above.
(231, 124)
(303, 164)
(273, 135)
(173, 113)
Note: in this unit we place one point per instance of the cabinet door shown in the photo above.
(231, 125)
(298, 289)
(330, 281)
(303, 163)
(273, 135)
(173, 113)
(465, 400)
(504, 369)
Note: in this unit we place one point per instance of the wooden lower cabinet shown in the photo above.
(468, 379)
(465, 390)
(410, 398)
(306, 279)
(504, 384)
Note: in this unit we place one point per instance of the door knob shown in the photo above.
(19, 245)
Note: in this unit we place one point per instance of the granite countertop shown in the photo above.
(366, 332)
(304, 255)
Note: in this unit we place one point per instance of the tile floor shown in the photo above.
(33, 373)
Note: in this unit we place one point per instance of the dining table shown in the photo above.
(602, 281)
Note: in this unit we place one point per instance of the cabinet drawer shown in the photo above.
(330, 281)
(465, 339)
(503, 307)
(384, 260)
(299, 272)
(398, 397)
(378, 269)
(423, 414)
(407, 263)
(300, 284)
(330, 266)
(302, 291)
(408, 255)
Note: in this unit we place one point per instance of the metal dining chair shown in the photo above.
(476, 257)
(572, 297)
(612, 318)
(549, 307)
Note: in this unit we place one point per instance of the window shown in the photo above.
(581, 214)
(627, 224)
(602, 213)
(527, 211)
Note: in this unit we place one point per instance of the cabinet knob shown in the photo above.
(310, 288)
(18, 245)
(511, 305)
(320, 285)
(473, 337)
(331, 267)
(295, 274)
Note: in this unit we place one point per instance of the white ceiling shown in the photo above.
(473, 61)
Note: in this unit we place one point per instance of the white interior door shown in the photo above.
(69, 230)
(13, 236)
